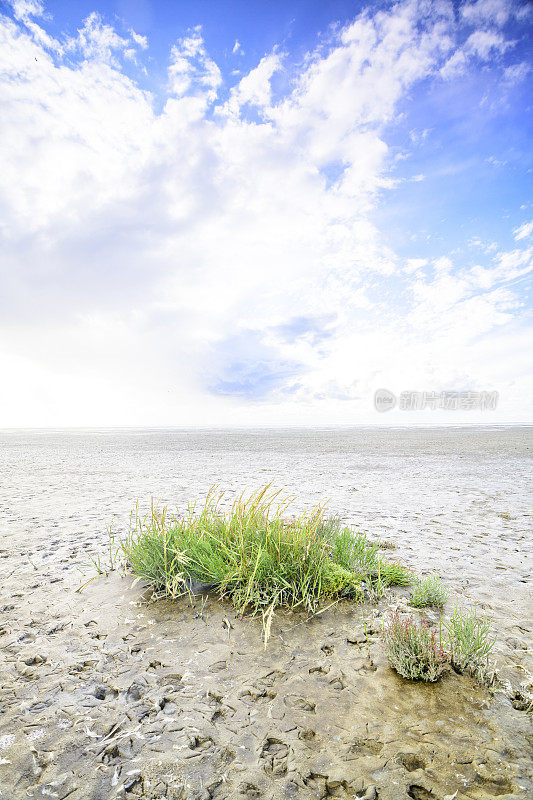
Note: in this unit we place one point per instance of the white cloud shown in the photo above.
(160, 266)
(191, 67)
(486, 43)
(22, 9)
(523, 231)
(493, 12)
(255, 87)
(141, 41)
(98, 41)
(516, 72)
(357, 85)
(482, 44)
(414, 265)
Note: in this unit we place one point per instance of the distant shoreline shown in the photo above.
(266, 428)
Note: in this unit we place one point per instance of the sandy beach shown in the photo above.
(105, 696)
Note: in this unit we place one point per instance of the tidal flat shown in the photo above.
(104, 695)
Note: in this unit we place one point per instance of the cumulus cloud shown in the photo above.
(222, 254)
(255, 88)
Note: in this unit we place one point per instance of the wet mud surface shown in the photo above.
(105, 696)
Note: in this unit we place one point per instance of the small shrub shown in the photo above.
(414, 650)
(470, 643)
(428, 591)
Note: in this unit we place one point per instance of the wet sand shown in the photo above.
(105, 696)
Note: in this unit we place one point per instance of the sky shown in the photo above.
(250, 213)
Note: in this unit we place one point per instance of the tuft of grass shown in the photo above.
(256, 557)
(470, 643)
(101, 567)
(428, 591)
(414, 650)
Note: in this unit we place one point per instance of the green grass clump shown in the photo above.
(414, 651)
(470, 643)
(428, 591)
(255, 556)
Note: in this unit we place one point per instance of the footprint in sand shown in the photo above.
(274, 754)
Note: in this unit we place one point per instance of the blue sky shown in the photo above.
(261, 212)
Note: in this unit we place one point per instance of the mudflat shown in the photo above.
(105, 695)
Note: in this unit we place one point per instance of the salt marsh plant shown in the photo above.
(470, 643)
(428, 591)
(255, 556)
(414, 650)
(420, 653)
